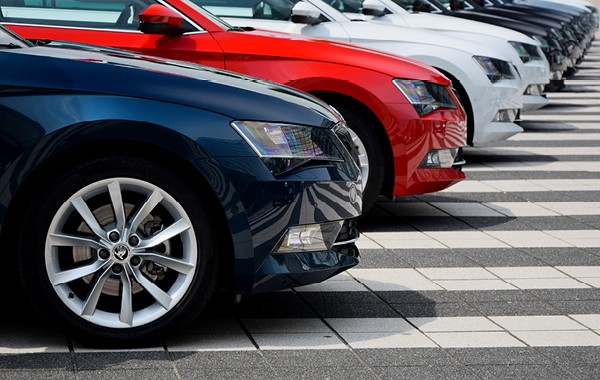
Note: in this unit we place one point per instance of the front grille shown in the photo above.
(348, 235)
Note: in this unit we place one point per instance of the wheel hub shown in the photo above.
(121, 252)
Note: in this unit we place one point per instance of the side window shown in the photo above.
(108, 14)
(261, 9)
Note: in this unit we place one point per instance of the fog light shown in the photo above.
(311, 237)
(505, 116)
(443, 158)
(535, 89)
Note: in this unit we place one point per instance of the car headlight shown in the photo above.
(284, 147)
(542, 41)
(521, 50)
(495, 69)
(426, 97)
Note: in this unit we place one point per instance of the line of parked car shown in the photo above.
(144, 166)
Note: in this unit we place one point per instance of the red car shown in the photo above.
(407, 123)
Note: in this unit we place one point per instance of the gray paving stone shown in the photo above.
(406, 357)
(312, 358)
(498, 356)
(424, 296)
(584, 371)
(434, 258)
(218, 359)
(455, 309)
(133, 360)
(563, 256)
(572, 355)
(273, 305)
(577, 307)
(501, 257)
(475, 296)
(380, 258)
(516, 308)
(355, 310)
(50, 361)
(41, 374)
(566, 294)
(126, 374)
(329, 373)
(521, 372)
(426, 373)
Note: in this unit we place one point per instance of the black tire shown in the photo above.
(145, 289)
(370, 148)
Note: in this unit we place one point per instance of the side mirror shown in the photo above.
(158, 19)
(305, 13)
(374, 8)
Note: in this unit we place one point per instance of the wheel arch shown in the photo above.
(75, 147)
(466, 103)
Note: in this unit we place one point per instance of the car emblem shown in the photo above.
(121, 252)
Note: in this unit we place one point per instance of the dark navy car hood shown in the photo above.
(110, 71)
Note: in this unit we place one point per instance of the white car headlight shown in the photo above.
(521, 50)
(495, 69)
(426, 97)
(283, 147)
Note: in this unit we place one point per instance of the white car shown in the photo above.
(486, 80)
(525, 52)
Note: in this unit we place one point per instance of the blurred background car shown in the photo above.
(406, 122)
(132, 187)
(525, 52)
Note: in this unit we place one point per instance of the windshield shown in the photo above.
(199, 7)
(349, 6)
(261, 9)
(8, 39)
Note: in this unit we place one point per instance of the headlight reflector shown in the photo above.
(426, 97)
(283, 147)
(495, 69)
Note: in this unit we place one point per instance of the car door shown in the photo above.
(111, 23)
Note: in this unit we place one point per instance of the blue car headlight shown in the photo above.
(495, 69)
(284, 147)
(426, 97)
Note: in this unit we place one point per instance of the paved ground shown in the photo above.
(495, 278)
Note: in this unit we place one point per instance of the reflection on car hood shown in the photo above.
(112, 71)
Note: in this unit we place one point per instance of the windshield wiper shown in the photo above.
(10, 45)
(241, 29)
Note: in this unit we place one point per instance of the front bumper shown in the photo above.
(438, 130)
(262, 209)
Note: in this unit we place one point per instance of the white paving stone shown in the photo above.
(398, 279)
(473, 273)
(580, 271)
(520, 209)
(573, 208)
(466, 239)
(297, 341)
(413, 339)
(474, 339)
(369, 325)
(558, 338)
(286, 325)
(520, 166)
(458, 285)
(526, 272)
(528, 239)
(465, 209)
(215, 342)
(548, 283)
(589, 320)
(578, 238)
(537, 323)
(454, 324)
(404, 240)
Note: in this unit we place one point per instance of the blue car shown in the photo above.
(131, 188)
